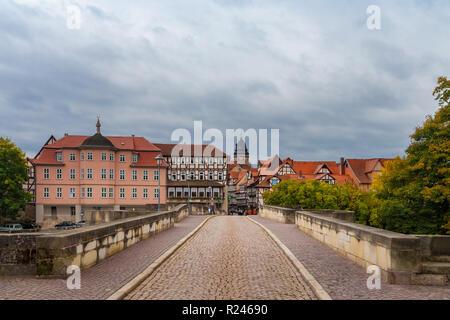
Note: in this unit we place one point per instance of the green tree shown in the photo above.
(13, 174)
(418, 185)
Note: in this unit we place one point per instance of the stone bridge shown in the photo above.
(280, 254)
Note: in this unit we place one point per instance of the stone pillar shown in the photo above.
(78, 212)
(39, 213)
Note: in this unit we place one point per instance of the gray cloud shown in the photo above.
(311, 69)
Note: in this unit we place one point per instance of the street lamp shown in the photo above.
(159, 160)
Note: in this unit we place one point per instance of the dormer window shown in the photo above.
(324, 170)
(59, 156)
(134, 158)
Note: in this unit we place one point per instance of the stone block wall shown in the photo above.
(278, 214)
(50, 254)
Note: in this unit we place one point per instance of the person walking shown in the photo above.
(211, 206)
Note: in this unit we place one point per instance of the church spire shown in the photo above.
(98, 125)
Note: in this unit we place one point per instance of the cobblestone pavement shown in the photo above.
(229, 258)
(339, 276)
(102, 280)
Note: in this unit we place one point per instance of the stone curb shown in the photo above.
(130, 286)
(313, 283)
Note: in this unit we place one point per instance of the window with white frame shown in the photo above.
(111, 193)
(122, 175)
(82, 193)
(145, 175)
(171, 192)
(46, 193)
(183, 160)
(103, 174)
(183, 176)
(90, 156)
(201, 175)
(220, 160)
(155, 175)
(73, 174)
(174, 176)
(46, 173)
(211, 175)
(134, 174)
(122, 193)
(191, 175)
(156, 193)
(211, 160)
(89, 173)
(121, 158)
(59, 173)
(82, 174)
(134, 158)
(111, 157)
(104, 193)
(73, 157)
(59, 193)
(220, 175)
(191, 160)
(89, 192)
(104, 156)
(73, 211)
(200, 160)
(134, 193)
(145, 193)
(59, 156)
(111, 174)
(72, 193)
(82, 156)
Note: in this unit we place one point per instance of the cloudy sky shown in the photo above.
(309, 68)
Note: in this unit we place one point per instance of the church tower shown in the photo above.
(241, 155)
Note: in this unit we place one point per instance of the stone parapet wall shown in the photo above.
(400, 257)
(278, 214)
(397, 255)
(50, 254)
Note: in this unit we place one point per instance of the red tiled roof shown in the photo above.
(361, 167)
(167, 149)
(47, 156)
(148, 159)
(124, 143)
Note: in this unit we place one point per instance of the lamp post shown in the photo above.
(159, 160)
(189, 197)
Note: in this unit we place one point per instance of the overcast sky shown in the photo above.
(309, 68)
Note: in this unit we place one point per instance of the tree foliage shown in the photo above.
(420, 182)
(13, 174)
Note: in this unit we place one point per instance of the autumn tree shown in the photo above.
(13, 174)
(418, 186)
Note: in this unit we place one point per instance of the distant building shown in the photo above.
(195, 172)
(78, 173)
(364, 171)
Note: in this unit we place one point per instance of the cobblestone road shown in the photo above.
(341, 277)
(103, 279)
(229, 258)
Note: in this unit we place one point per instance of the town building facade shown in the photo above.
(196, 173)
(78, 173)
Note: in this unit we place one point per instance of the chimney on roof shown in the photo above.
(342, 166)
(66, 134)
(98, 125)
